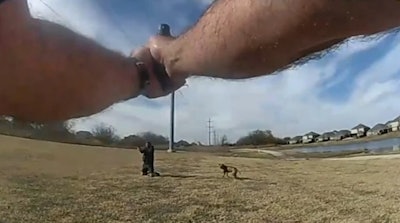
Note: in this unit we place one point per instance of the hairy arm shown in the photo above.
(247, 38)
(50, 73)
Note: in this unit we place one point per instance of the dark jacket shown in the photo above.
(148, 154)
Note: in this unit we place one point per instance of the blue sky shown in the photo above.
(356, 83)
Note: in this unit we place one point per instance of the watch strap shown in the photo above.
(144, 76)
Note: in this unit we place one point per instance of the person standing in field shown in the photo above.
(148, 160)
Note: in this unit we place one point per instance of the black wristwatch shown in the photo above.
(144, 76)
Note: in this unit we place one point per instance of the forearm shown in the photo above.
(246, 38)
(55, 74)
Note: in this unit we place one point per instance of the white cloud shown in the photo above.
(94, 20)
(288, 103)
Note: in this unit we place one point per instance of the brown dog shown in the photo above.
(229, 169)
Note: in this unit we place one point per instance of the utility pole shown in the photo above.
(172, 118)
(209, 131)
(164, 30)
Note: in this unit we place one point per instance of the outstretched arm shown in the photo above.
(50, 73)
(247, 38)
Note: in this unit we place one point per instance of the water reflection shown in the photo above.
(386, 145)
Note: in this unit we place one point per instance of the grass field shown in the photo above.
(50, 182)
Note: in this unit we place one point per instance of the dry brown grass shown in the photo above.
(50, 182)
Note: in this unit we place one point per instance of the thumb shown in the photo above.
(157, 45)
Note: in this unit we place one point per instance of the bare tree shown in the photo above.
(132, 141)
(105, 134)
(224, 140)
(259, 137)
(154, 138)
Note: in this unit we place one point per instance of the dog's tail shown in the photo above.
(235, 174)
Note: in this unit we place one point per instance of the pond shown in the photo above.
(385, 145)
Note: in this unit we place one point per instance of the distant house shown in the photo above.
(388, 125)
(342, 134)
(84, 135)
(182, 143)
(320, 138)
(360, 130)
(378, 129)
(309, 137)
(295, 140)
(326, 136)
(394, 125)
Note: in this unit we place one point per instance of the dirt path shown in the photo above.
(389, 156)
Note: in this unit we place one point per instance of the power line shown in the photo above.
(56, 13)
(116, 24)
(51, 9)
(106, 12)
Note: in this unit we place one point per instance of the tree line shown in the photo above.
(104, 135)
(100, 135)
(260, 137)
